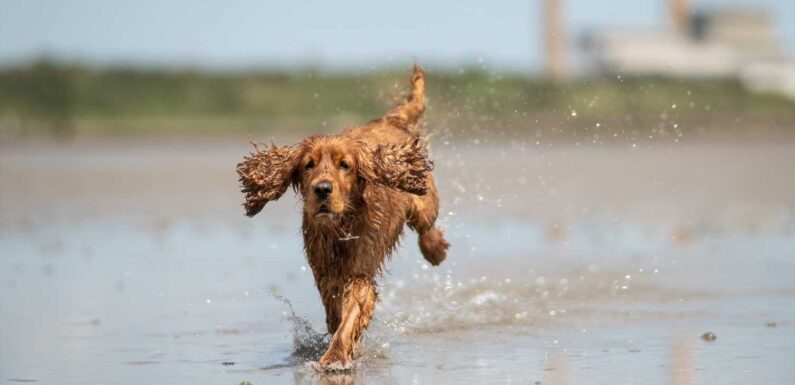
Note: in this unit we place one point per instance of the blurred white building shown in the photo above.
(657, 53)
(721, 43)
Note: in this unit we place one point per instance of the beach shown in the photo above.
(129, 262)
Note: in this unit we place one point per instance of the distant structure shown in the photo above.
(679, 15)
(748, 32)
(719, 43)
(554, 40)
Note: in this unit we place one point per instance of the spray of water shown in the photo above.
(310, 344)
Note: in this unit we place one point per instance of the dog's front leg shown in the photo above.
(331, 295)
(358, 305)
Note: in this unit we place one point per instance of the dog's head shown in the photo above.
(331, 173)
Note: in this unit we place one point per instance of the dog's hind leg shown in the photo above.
(421, 218)
(358, 305)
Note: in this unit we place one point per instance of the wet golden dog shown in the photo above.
(359, 188)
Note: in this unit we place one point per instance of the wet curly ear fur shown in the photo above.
(265, 175)
(403, 166)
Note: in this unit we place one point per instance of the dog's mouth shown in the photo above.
(324, 212)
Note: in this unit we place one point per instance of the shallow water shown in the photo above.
(132, 263)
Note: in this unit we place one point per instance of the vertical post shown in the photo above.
(554, 40)
(679, 14)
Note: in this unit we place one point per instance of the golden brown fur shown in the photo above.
(359, 189)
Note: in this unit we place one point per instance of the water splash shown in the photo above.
(308, 344)
(431, 302)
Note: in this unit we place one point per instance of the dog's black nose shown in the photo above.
(323, 189)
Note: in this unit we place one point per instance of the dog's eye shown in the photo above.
(344, 165)
(309, 165)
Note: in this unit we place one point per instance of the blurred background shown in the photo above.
(251, 67)
(616, 180)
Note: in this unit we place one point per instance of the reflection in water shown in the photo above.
(305, 374)
(558, 369)
(682, 360)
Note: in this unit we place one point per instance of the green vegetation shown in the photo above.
(48, 98)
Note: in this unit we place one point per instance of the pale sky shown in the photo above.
(504, 34)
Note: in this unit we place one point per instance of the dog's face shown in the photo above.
(331, 172)
(328, 177)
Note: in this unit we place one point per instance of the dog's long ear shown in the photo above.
(266, 173)
(403, 166)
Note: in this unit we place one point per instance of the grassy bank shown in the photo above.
(51, 99)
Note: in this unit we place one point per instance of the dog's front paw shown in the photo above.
(434, 246)
(334, 360)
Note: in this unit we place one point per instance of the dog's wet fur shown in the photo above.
(359, 188)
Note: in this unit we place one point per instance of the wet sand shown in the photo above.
(131, 262)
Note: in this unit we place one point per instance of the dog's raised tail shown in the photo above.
(410, 112)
